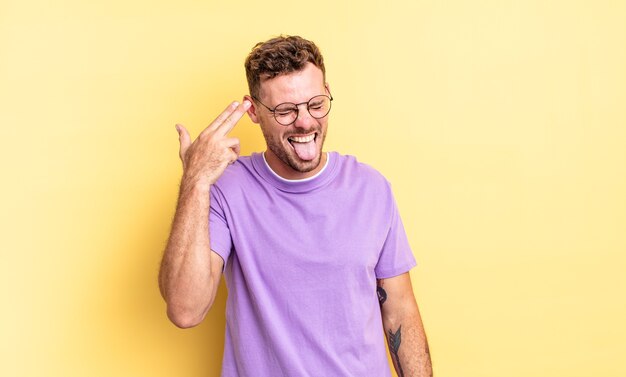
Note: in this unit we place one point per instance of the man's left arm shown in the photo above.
(403, 327)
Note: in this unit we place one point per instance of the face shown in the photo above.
(293, 151)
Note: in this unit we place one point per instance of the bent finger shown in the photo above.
(233, 156)
(236, 149)
(230, 142)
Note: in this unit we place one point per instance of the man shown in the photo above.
(311, 244)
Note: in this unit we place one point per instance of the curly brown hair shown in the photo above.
(280, 55)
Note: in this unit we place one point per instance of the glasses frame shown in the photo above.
(297, 105)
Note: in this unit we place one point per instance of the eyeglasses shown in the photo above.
(286, 113)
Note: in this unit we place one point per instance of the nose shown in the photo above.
(304, 120)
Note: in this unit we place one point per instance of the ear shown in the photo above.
(327, 87)
(252, 110)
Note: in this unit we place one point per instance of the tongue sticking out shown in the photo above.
(306, 151)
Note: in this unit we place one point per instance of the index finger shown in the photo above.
(233, 118)
(221, 118)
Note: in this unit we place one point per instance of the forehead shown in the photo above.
(294, 87)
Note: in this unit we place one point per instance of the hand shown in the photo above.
(207, 157)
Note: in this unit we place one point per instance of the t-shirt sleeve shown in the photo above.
(396, 256)
(219, 233)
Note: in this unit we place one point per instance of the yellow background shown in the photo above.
(501, 124)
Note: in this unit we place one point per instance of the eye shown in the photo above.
(284, 112)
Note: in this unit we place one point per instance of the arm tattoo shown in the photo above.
(394, 347)
(382, 295)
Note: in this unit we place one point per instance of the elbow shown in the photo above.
(392, 321)
(394, 317)
(185, 319)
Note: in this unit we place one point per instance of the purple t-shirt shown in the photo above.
(302, 259)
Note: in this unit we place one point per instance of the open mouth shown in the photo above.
(304, 146)
(302, 139)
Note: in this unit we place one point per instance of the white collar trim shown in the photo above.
(297, 180)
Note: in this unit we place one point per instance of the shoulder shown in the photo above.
(236, 176)
(366, 185)
(351, 168)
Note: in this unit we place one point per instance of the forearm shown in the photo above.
(403, 327)
(185, 278)
(408, 346)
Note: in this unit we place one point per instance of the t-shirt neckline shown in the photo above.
(300, 185)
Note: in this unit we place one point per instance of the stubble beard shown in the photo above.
(292, 159)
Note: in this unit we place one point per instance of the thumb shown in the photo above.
(185, 141)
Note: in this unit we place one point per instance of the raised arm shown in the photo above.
(403, 327)
(190, 272)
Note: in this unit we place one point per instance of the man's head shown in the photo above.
(280, 56)
(289, 70)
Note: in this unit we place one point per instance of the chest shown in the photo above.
(337, 233)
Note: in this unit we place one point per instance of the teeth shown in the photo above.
(302, 139)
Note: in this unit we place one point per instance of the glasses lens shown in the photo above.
(319, 106)
(286, 114)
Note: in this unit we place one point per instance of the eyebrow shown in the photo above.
(300, 103)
